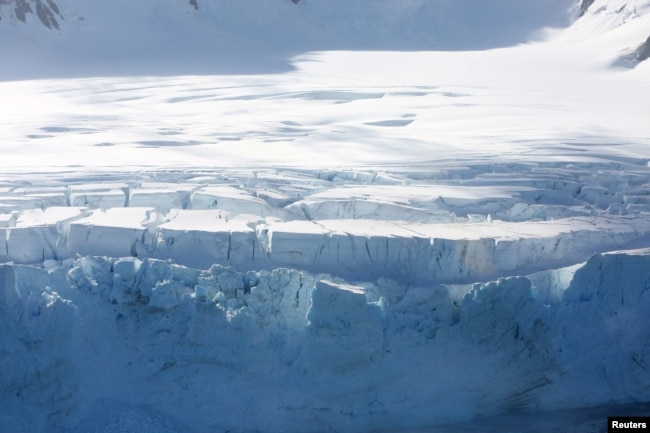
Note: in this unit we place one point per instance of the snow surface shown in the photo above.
(300, 217)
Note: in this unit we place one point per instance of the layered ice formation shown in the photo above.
(452, 233)
(240, 311)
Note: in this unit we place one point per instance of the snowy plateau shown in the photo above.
(307, 216)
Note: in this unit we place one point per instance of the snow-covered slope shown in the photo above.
(63, 38)
(349, 241)
(123, 37)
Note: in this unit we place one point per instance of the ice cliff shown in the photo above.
(264, 304)
(421, 232)
(210, 347)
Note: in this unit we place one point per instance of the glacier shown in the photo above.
(231, 311)
(323, 215)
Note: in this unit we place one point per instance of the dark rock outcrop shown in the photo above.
(22, 8)
(47, 13)
(46, 10)
(195, 3)
(633, 57)
(643, 52)
(584, 5)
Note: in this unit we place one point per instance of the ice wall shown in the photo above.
(355, 249)
(207, 348)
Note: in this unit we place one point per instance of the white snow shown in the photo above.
(325, 216)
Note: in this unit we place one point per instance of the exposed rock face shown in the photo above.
(584, 5)
(643, 52)
(47, 13)
(633, 58)
(46, 10)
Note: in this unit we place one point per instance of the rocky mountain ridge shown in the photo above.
(47, 11)
(210, 35)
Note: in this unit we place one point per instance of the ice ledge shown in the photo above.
(352, 249)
